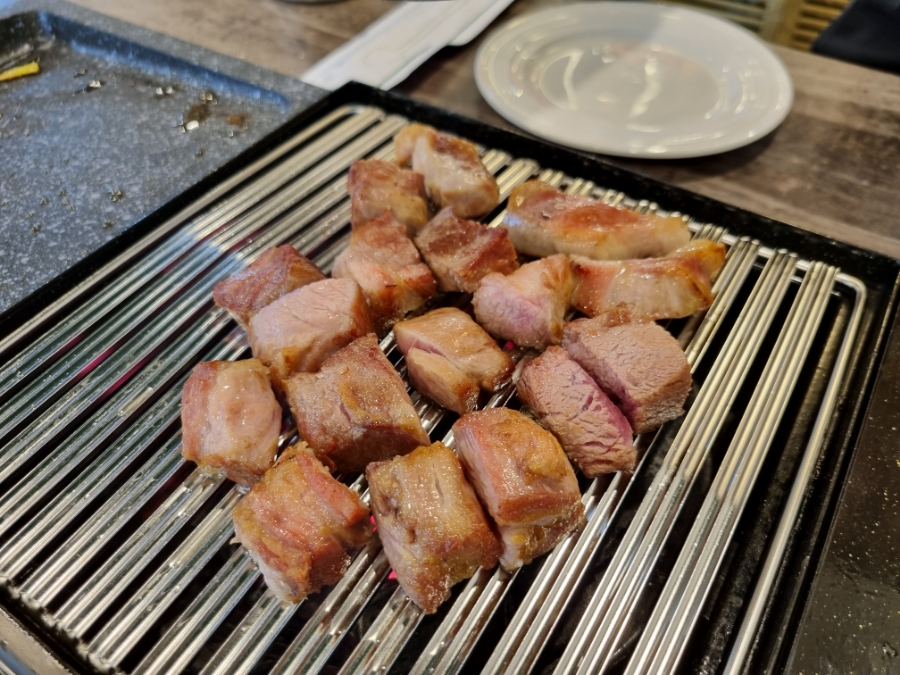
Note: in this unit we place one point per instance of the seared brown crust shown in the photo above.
(387, 267)
(276, 272)
(462, 252)
(431, 525)
(453, 334)
(455, 177)
(435, 377)
(299, 523)
(522, 476)
(543, 220)
(230, 419)
(299, 330)
(355, 410)
(376, 186)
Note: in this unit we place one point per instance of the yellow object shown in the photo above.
(20, 71)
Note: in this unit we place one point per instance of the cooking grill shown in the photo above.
(120, 553)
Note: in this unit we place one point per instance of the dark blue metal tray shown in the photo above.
(121, 124)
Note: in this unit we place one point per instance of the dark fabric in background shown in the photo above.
(867, 32)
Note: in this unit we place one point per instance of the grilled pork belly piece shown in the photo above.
(274, 273)
(453, 334)
(299, 330)
(528, 307)
(355, 410)
(454, 174)
(639, 365)
(542, 220)
(298, 523)
(388, 269)
(462, 252)
(230, 419)
(523, 479)
(592, 430)
(376, 186)
(647, 290)
(435, 377)
(431, 525)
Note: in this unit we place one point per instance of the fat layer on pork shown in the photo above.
(542, 221)
(230, 420)
(671, 287)
(435, 377)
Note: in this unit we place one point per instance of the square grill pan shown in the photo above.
(117, 554)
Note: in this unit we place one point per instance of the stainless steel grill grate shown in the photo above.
(124, 552)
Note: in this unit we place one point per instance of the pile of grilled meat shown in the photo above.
(509, 492)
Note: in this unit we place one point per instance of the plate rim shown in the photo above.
(783, 84)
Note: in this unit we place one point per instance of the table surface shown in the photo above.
(832, 167)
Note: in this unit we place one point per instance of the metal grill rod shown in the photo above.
(134, 280)
(217, 199)
(539, 613)
(682, 598)
(231, 652)
(753, 614)
(661, 502)
(48, 473)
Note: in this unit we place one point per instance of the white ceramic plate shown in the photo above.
(634, 79)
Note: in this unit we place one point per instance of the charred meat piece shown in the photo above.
(647, 290)
(542, 220)
(376, 186)
(462, 252)
(523, 479)
(529, 306)
(388, 269)
(639, 365)
(592, 430)
(454, 174)
(230, 419)
(435, 377)
(453, 334)
(299, 523)
(355, 410)
(431, 525)
(298, 331)
(274, 273)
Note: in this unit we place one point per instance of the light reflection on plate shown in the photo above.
(634, 79)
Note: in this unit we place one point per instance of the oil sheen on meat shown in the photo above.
(522, 476)
(431, 525)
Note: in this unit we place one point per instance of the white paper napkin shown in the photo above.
(391, 48)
